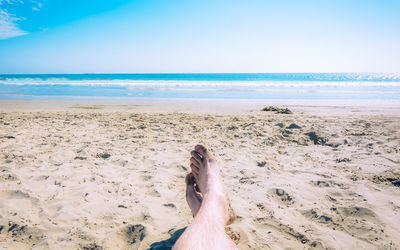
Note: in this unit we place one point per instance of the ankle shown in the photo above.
(216, 200)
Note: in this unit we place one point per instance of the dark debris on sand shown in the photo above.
(261, 164)
(104, 155)
(8, 137)
(339, 160)
(278, 110)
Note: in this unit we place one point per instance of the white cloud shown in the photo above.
(8, 26)
(10, 1)
(9, 22)
(38, 5)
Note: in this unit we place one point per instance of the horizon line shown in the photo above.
(150, 73)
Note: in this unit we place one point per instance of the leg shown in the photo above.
(207, 229)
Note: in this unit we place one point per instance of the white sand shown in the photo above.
(111, 174)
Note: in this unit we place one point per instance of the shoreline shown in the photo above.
(212, 106)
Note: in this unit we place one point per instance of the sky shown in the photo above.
(195, 36)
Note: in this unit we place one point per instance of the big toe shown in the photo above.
(203, 151)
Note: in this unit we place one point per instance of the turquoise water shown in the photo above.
(312, 86)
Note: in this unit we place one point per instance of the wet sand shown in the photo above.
(92, 175)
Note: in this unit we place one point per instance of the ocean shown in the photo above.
(262, 86)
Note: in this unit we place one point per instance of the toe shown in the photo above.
(197, 192)
(196, 156)
(201, 150)
(204, 153)
(194, 167)
(189, 179)
(195, 171)
(191, 187)
(194, 162)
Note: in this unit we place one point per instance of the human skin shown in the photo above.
(209, 205)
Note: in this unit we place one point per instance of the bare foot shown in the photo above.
(207, 178)
(193, 197)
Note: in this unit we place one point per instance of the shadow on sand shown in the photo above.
(169, 243)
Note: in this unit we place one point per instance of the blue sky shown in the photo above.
(120, 36)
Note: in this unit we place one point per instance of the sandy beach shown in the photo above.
(84, 175)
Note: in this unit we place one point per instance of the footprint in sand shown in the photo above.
(8, 177)
(238, 235)
(316, 216)
(130, 237)
(22, 234)
(387, 178)
(92, 246)
(282, 196)
(276, 227)
(84, 240)
(146, 177)
(135, 233)
(359, 222)
(18, 198)
(13, 194)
